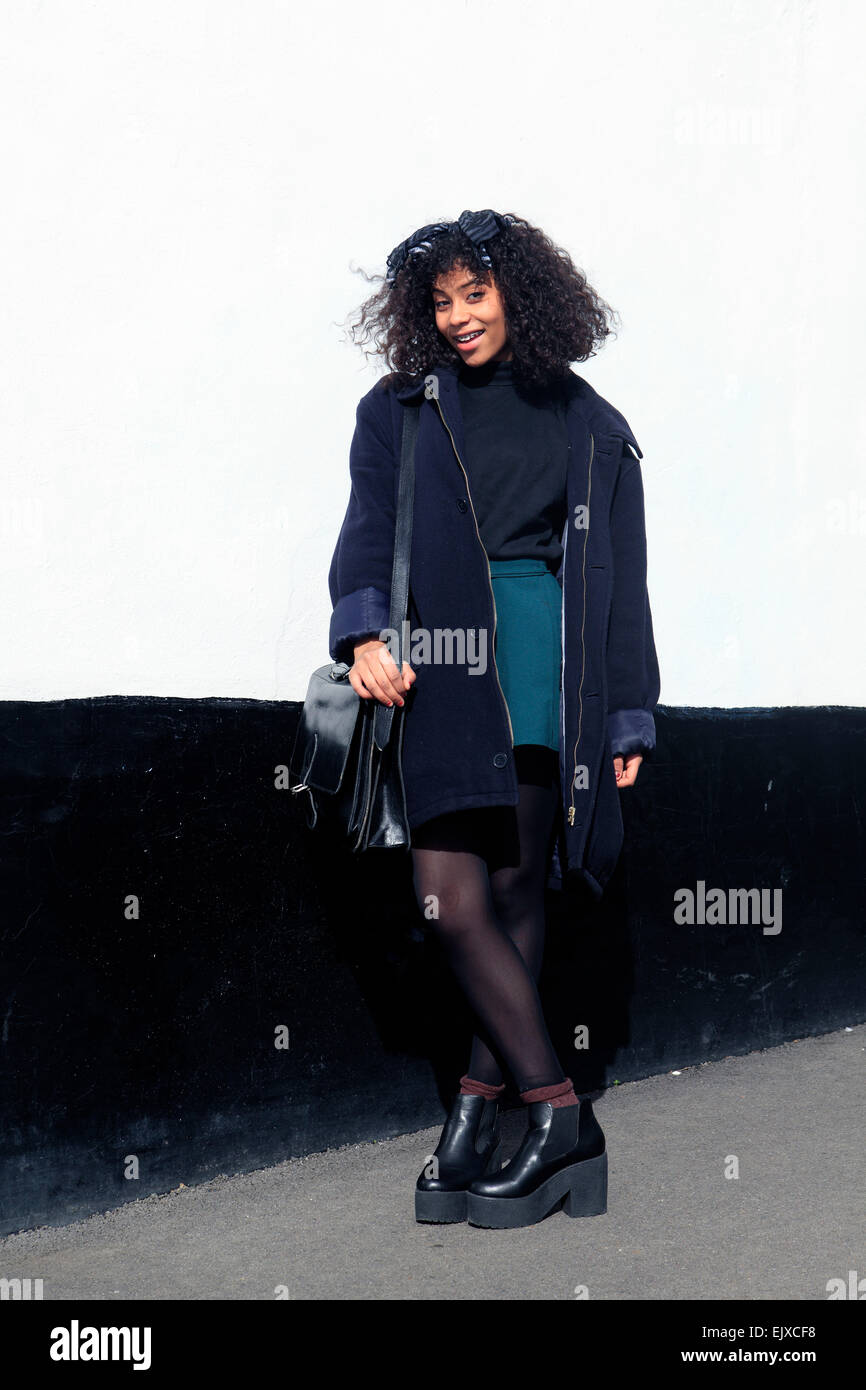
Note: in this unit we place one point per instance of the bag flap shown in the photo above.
(326, 729)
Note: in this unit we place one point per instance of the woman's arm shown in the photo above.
(632, 665)
(359, 578)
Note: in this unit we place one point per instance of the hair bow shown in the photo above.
(479, 227)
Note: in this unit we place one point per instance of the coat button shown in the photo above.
(500, 759)
(462, 504)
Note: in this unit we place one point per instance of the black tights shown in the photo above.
(479, 878)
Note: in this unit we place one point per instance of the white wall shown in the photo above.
(185, 187)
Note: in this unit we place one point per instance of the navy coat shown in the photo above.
(457, 744)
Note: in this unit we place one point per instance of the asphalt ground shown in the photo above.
(340, 1225)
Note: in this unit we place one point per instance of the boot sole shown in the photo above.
(444, 1207)
(580, 1190)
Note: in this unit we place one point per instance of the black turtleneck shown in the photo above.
(516, 456)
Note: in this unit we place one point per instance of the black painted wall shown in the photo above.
(154, 1036)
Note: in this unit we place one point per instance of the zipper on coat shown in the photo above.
(431, 391)
(571, 809)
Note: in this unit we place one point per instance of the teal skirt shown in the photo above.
(528, 647)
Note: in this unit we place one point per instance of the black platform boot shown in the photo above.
(562, 1162)
(468, 1147)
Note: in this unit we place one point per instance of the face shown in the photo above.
(465, 305)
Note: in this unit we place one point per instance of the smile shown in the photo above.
(469, 337)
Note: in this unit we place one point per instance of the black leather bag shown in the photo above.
(347, 749)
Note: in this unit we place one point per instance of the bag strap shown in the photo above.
(402, 551)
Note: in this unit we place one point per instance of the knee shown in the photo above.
(515, 892)
(436, 899)
(445, 907)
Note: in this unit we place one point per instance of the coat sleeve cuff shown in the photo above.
(631, 731)
(363, 613)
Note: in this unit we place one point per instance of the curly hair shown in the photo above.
(552, 315)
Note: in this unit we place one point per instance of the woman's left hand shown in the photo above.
(626, 768)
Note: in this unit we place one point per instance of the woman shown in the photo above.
(533, 674)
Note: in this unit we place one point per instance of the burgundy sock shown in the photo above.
(560, 1094)
(470, 1087)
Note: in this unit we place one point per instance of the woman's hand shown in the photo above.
(375, 675)
(626, 768)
